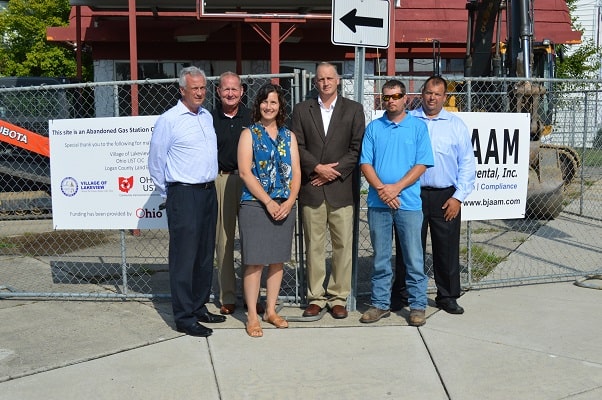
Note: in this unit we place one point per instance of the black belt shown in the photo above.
(435, 189)
(233, 172)
(206, 185)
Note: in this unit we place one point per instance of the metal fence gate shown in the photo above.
(38, 261)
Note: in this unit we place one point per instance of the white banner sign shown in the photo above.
(501, 147)
(99, 174)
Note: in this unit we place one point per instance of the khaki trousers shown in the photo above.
(340, 224)
(229, 189)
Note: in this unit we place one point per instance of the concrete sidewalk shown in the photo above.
(527, 342)
(524, 342)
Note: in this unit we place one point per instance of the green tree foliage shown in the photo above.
(24, 50)
(583, 62)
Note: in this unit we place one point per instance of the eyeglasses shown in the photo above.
(396, 96)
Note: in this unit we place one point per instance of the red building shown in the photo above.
(263, 35)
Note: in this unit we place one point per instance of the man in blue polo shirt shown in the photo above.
(396, 151)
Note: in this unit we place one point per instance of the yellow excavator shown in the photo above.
(552, 167)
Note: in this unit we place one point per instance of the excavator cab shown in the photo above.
(544, 66)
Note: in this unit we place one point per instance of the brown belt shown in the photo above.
(233, 172)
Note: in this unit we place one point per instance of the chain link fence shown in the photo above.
(37, 261)
(557, 241)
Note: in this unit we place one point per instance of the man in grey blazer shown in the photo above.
(329, 132)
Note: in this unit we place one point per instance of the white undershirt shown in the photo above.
(326, 113)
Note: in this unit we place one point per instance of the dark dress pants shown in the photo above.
(399, 291)
(192, 217)
(445, 238)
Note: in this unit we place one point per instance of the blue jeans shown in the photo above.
(408, 225)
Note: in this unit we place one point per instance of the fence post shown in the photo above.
(469, 251)
(122, 245)
(124, 263)
(360, 55)
(583, 149)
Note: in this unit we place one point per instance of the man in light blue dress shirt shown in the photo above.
(183, 165)
(443, 189)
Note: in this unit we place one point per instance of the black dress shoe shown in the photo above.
(450, 306)
(196, 330)
(210, 318)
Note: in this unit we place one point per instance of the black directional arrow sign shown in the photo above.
(351, 20)
(361, 23)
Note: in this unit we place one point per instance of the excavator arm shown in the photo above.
(551, 166)
(482, 18)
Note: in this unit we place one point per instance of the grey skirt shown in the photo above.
(263, 240)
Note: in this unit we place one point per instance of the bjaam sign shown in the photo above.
(99, 174)
(500, 144)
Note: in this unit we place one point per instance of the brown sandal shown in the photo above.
(254, 330)
(276, 320)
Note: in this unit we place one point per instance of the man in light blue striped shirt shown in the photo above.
(183, 165)
(443, 189)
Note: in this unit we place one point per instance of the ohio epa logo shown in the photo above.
(69, 186)
(146, 213)
(125, 184)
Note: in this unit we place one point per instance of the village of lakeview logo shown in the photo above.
(69, 186)
(126, 184)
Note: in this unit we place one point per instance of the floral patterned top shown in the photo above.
(271, 162)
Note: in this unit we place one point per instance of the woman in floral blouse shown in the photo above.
(268, 163)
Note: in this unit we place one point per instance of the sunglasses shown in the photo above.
(396, 96)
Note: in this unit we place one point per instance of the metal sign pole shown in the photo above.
(358, 85)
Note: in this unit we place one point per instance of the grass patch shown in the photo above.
(51, 243)
(520, 239)
(569, 196)
(573, 191)
(6, 245)
(591, 157)
(483, 262)
(484, 230)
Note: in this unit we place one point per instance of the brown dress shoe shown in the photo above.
(227, 309)
(312, 310)
(338, 312)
